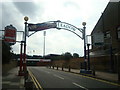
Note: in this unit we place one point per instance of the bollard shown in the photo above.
(53, 67)
(62, 68)
(94, 72)
(57, 67)
(69, 68)
(93, 69)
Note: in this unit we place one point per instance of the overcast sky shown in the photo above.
(57, 41)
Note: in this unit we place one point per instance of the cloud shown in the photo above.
(57, 41)
(9, 16)
(27, 8)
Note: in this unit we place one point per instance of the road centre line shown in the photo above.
(46, 71)
(58, 76)
(80, 86)
(37, 84)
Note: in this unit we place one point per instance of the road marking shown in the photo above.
(33, 79)
(80, 86)
(58, 76)
(46, 71)
(108, 82)
(98, 80)
(37, 84)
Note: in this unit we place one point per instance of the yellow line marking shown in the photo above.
(33, 80)
(37, 84)
(99, 80)
(95, 79)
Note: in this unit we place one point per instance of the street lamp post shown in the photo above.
(88, 45)
(21, 59)
(44, 45)
(84, 37)
(24, 57)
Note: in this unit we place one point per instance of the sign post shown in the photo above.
(21, 60)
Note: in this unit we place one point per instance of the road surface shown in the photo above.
(50, 78)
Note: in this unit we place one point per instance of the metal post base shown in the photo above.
(20, 73)
(83, 71)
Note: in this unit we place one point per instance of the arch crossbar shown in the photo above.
(55, 24)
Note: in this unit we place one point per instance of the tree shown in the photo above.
(75, 55)
(6, 55)
(67, 56)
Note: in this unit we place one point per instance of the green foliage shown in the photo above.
(75, 55)
(67, 56)
(6, 55)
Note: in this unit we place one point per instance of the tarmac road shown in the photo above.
(49, 78)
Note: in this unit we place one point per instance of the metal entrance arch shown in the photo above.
(29, 27)
(58, 25)
(80, 32)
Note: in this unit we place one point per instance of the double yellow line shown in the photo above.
(35, 81)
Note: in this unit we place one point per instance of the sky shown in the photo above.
(56, 41)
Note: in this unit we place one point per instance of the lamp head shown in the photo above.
(84, 23)
(26, 18)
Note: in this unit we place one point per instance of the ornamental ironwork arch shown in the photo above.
(55, 24)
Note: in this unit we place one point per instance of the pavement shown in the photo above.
(112, 77)
(11, 80)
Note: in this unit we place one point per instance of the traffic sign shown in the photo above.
(10, 34)
(98, 38)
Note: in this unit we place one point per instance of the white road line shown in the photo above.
(47, 72)
(58, 76)
(80, 86)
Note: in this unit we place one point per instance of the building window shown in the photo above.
(107, 34)
(118, 32)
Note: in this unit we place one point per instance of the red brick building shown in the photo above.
(106, 35)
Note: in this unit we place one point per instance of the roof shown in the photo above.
(107, 9)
